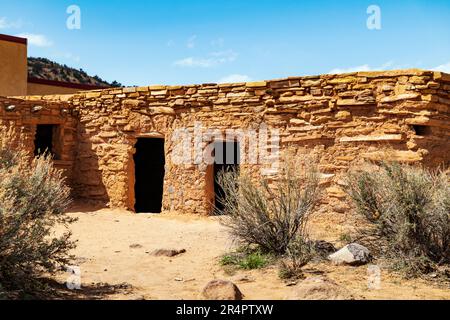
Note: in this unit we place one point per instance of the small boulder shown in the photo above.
(319, 288)
(353, 254)
(167, 252)
(221, 290)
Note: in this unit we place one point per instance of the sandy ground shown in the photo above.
(114, 253)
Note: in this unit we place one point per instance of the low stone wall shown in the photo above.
(342, 119)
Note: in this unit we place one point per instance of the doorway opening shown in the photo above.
(44, 141)
(421, 130)
(227, 157)
(149, 162)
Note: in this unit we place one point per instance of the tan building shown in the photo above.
(121, 146)
(14, 80)
(13, 66)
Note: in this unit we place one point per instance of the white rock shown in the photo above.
(353, 254)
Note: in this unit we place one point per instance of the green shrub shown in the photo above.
(33, 198)
(255, 260)
(246, 259)
(409, 211)
(229, 259)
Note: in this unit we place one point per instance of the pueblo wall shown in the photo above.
(342, 119)
(25, 115)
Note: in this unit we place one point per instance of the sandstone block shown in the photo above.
(157, 88)
(129, 90)
(91, 95)
(343, 115)
(158, 93)
(162, 110)
(341, 80)
(385, 137)
(256, 84)
(400, 156)
(221, 290)
(133, 103)
(405, 96)
(353, 102)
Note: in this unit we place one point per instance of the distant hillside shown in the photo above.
(42, 68)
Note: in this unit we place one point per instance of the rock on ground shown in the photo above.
(353, 254)
(167, 252)
(319, 288)
(221, 290)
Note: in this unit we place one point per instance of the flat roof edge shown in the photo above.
(5, 37)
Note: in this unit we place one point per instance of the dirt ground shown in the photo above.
(114, 255)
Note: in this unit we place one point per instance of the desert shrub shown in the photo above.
(298, 253)
(247, 259)
(409, 211)
(33, 198)
(266, 213)
(256, 260)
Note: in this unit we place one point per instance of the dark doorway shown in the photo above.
(227, 157)
(43, 142)
(149, 162)
(421, 130)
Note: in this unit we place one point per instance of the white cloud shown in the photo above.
(214, 59)
(365, 67)
(191, 42)
(38, 40)
(235, 78)
(6, 24)
(443, 68)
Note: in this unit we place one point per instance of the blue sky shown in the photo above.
(199, 41)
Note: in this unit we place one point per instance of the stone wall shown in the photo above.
(343, 119)
(25, 115)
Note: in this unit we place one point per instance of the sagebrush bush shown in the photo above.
(266, 213)
(298, 254)
(409, 211)
(33, 198)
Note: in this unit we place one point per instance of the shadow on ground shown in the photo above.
(53, 290)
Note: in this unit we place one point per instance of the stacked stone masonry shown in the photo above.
(342, 119)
